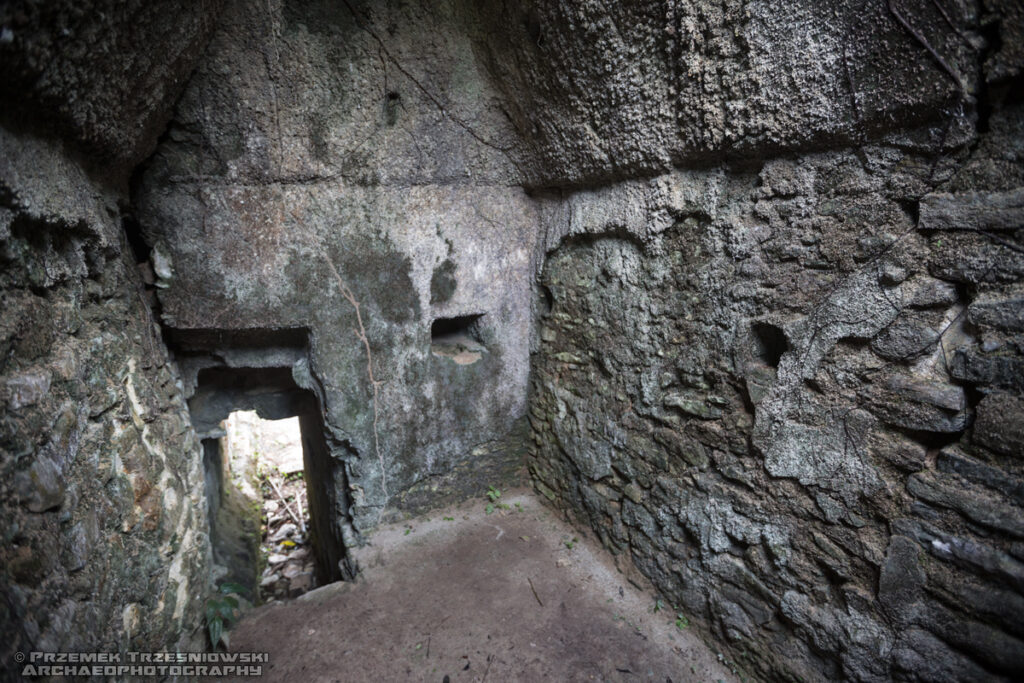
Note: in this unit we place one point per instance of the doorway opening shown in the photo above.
(266, 459)
(276, 496)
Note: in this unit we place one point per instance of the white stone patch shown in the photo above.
(177, 574)
(27, 389)
(130, 618)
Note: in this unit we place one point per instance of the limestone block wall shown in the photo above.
(101, 495)
(600, 92)
(789, 393)
(753, 270)
(341, 169)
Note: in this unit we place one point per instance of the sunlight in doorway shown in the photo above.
(273, 449)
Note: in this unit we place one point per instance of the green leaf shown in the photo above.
(230, 600)
(229, 587)
(216, 630)
(211, 610)
(489, 509)
(227, 613)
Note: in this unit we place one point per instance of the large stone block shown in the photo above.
(902, 579)
(972, 211)
(919, 404)
(974, 503)
(988, 644)
(1000, 424)
(964, 552)
(991, 370)
(1000, 310)
(973, 258)
(604, 91)
(921, 655)
(907, 339)
(953, 460)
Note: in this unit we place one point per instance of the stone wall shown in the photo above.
(104, 525)
(103, 75)
(789, 393)
(767, 260)
(340, 169)
(601, 92)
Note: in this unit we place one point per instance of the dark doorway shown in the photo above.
(273, 395)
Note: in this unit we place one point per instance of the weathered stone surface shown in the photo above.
(1002, 310)
(26, 389)
(972, 211)
(953, 460)
(1000, 424)
(919, 654)
(906, 339)
(603, 92)
(729, 332)
(397, 208)
(100, 489)
(301, 94)
(1001, 370)
(929, 292)
(104, 75)
(836, 381)
(973, 502)
(684, 341)
(901, 581)
(974, 258)
(898, 450)
(996, 649)
(1008, 59)
(42, 487)
(968, 553)
(920, 405)
(987, 603)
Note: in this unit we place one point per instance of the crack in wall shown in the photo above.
(360, 21)
(919, 37)
(346, 292)
(271, 54)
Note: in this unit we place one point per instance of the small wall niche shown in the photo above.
(392, 103)
(459, 339)
(770, 343)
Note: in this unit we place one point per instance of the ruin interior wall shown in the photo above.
(796, 405)
(783, 379)
(103, 514)
(342, 169)
(104, 519)
(753, 273)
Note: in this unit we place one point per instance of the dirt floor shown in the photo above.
(514, 595)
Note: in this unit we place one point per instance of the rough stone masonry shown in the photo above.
(741, 283)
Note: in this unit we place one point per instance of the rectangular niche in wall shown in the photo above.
(459, 339)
